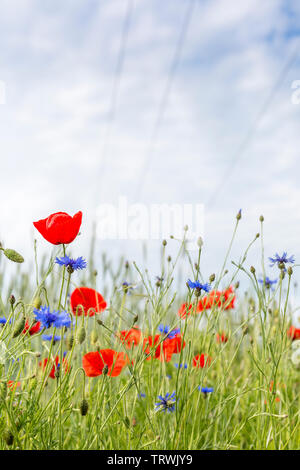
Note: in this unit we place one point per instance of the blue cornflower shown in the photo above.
(180, 366)
(166, 403)
(72, 264)
(127, 287)
(267, 282)
(2, 320)
(141, 395)
(281, 260)
(198, 285)
(165, 330)
(205, 390)
(48, 319)
(49, 338)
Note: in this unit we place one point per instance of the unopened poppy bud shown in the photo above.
(237, 285)
(37, 302)
(257, 235)
(8, 437)
(13, 255)
(261, 218)
(70, 341)
(94, 336)
(164, 242)
(169, 259)
(105, 369)
(212, 277)
(84, 406)
(100, 322)
(12, 299)
(239, 215)
(19, 327)
(252, 269)
(226, 271)
(81, 335)
(290, 271)
(136, 318)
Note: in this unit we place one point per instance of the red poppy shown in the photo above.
(54, 368)
(221, 338)
(201, 360)
(59, 227)
(164, 349)
(13, 385)
(131, 337)
(94, 362)
(87, 300)
(186, 311)
(33, 330)
(224, 299)
(293, 333)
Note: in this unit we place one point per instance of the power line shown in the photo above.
(249, 135)
(116, 85)
(164, 98)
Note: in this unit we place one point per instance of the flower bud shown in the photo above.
(94, 336)
(169, 259)
(105, 369)
(252, 269)
(13, 255)
(261, 218)
(70, 341)
(8, 437)
(237, 285)
(290, 270)
(200, 242)
(12, 299)
(84, 406)
(212, 277)
(81, 335)
(19, 327)
(135, 320)
(239, 215)
(37, 302)
(164, 242)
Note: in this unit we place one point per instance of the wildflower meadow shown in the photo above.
(119, 359)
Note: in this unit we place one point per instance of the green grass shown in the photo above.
(242, 412)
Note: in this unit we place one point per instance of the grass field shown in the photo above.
(211, 367)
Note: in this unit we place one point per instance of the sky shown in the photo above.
(182, 101)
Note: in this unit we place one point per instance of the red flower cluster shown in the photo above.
(94, 362)
(163, 349)
(293, 333)
(221, 338)
(59, 227)
(88, 301)
(224, 299)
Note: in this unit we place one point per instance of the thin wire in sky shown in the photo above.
(251, 132)
(141, 181)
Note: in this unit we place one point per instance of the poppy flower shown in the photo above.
(13, 385)
(131, 337)
(94, 362)
(33, 330)
(201, 360)
(86, 300)
(186, 310)
(59, 227)
(56, 366)
(224, 299)
(163, 349)
(293, 333)
(221, 338)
